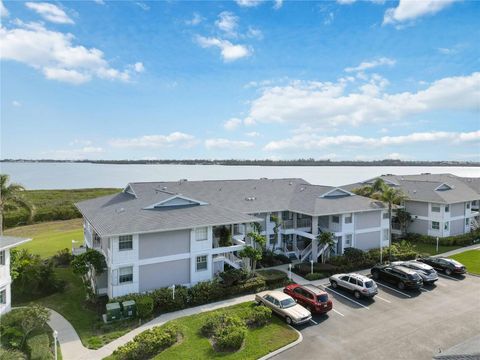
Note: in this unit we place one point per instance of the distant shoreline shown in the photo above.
(232, 162)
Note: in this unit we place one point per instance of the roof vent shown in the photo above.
(119, 210)
(302, 188)
(290, 183)
(182, 181)
(263, 178)
(250, 198)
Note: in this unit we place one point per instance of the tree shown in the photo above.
(370, 190)
(404, 219)
(253, 255)
(33, 318)
(82, 263)
(11, 198)
(276, 227)
(326, 238)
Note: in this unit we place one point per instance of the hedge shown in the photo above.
(273, 278)
(314, 276)
(39, 347)
(459, 240)
(11, 354)
(148, 343)
(144, 307)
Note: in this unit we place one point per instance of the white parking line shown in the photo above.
(346, 297)
(423, 289)
(338, 312)
(314, 321)
(398, 291)
(379, 297)
(448, 277)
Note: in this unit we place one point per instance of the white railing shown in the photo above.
(287, 224)
(304, 223)
(305, 253)
(234, 261)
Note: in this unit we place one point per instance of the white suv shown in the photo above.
(360, 285)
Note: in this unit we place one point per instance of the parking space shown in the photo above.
(395, 324)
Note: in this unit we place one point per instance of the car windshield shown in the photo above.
(429, 271)
(414, 276)
(456, 263)
(286, 303)
(322, 298)
(369, 284)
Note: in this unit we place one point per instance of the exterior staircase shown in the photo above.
(233, 260)
(474, 225)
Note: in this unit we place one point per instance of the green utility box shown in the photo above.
(114, 311)
(129, 308)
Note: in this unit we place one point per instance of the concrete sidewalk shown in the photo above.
(460, 250)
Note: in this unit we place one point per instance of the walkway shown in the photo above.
(460, 250)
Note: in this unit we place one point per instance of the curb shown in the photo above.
(286, 347)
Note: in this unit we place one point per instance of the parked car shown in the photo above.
(310, 297)
(448, 266)
(401, 276)
(360, 285)
(426, 272)
(285, 306)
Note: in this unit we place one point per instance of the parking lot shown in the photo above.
(395, 324)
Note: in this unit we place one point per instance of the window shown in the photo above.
(385, 215)
(201, 234)
(352, 281)
(202, 263)
(435, 225)
(3, 296)
(435, 208)
(348, 219)
(348, 240)
(468, 205)
(467, 221)
(2, 257)
(336, 219)
(447, 208)
(446, 225)
(125, 242)
(125, 275)
(385, 234)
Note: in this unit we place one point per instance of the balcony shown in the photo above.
(287, 224)
(304, 223)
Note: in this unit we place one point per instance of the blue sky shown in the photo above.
(248, 79)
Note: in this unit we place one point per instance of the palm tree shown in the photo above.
(390, 196)
(326, 239)
(370, 190)
(11, 198)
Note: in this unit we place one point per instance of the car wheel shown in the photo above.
(288, 320)
(334, 284)
(401, 285)
(448, 271)
(357, 294)
(376, 275)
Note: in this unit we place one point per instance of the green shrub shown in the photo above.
(259, 316)
(39, 347)
(303, 269)
(164, 301)
(229, 338)
(211, 323)
(11, 354)
(62, 257)
(248, 286)
(205, 292)
(233, 276)
(148, 343)
(273, 278)
(314, 276)
(458, 240)
(144, 306)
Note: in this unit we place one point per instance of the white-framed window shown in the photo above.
(3, 296)
(348, 218)
(348, 240)
(336, 219)
(201, 234)
(202, 264)
(2, 257)
(125, 242)
(468, 205)
(447, 208)
(125, 275)
(435, 208)
(446, 225)
(385, 215)
(435, 225)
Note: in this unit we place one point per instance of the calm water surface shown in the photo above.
(76, 175)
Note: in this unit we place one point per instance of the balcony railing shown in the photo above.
(304, 223)
(287, 224)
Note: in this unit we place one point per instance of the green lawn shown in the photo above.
(431, 249)
(48, 238)
(471, 259)
(258, 342)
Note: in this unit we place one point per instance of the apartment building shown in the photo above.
(6, 243)
(157, 234)
(441, 205)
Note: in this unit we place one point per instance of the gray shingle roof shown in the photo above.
(7, 242)
(423, 187)
(228, 201)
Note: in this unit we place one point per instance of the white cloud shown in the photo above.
(314, 141)
(50, 12)
(366, 65)
(227, 144)
(248, 3)
(252, 134)
(87, 152)
(328, 18)
(155, 141)
(3, 10)
(229, 51)
(54, 54)
(253, 32)
(80, 142)
(227, 22)
(142, 6)
(232, 124)
(138, 67)
(383, 130)
(99, 2)
(345, 2)
(195, 20)
(330, 104)
(408, 10)
(277, 4)
(16, 103)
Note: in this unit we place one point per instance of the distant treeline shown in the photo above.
(265, 162)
